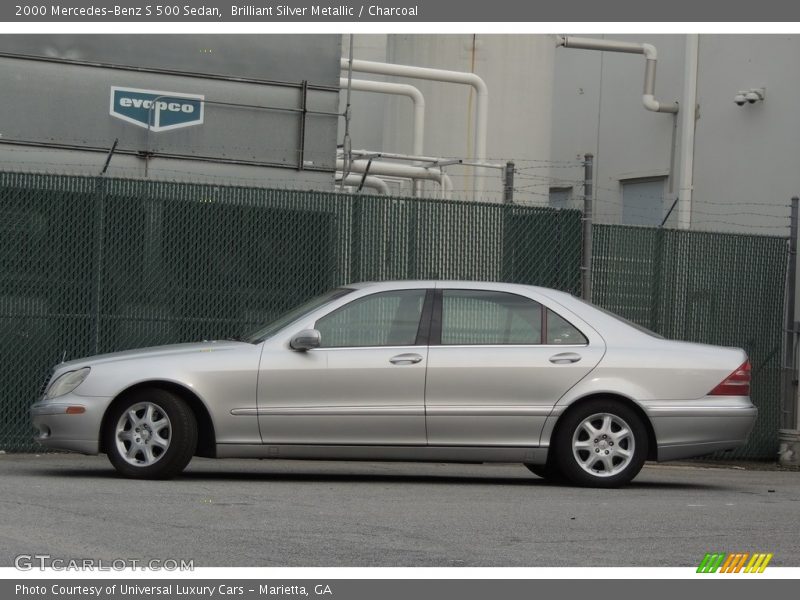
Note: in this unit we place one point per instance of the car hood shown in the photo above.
(153, 352)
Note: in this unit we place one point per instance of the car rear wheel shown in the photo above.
(602, 443)
(150, 434)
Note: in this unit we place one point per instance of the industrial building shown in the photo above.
(270, 112)
(727, 154)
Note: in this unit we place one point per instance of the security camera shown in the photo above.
(753, 96)
(750, 96)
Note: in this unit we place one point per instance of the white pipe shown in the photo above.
(354, 179)
(429, 159)
(399, 89)
(396, 170)
(471, 79)
(651, 60)
(688, 122)
(398, 156)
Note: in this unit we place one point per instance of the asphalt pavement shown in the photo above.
(301, 513)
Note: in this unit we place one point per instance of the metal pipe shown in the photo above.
(508, 183)
(442, 75)
(396, 170)
(651, 57)
(688, 122)
(399, 89)
(429, 159)
(354, 179)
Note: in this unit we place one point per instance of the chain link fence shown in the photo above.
(715, 288)
(92, 265)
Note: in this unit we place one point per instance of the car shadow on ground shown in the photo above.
(201, 475)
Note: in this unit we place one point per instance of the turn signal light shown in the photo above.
(75, 410)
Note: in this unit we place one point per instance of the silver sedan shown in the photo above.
(415, 371)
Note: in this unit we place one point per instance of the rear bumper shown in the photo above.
(58, 430)
(685, 429)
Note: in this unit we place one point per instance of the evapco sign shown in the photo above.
(154, 110)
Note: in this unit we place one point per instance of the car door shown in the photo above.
(365, 384)
(497, 364)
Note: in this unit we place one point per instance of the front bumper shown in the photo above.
(59, 430)
(694, 428)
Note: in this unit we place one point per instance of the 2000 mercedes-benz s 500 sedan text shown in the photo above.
(417, 371)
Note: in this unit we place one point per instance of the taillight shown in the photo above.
(735, 384)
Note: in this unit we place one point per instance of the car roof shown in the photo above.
(450, 283)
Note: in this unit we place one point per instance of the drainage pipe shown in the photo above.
(688, 122)
(399, 89)
(354, 179)
(651, 61)
(396, 170)
(442, 75)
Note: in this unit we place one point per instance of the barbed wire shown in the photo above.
(527, 172)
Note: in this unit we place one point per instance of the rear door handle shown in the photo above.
(564, 358)
(405, 359)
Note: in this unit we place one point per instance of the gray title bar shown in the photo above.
(398, 11)
(730, 588)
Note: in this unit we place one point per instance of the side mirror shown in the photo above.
(307, 339)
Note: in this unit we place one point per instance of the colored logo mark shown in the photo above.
(154, 110)
(736, 562)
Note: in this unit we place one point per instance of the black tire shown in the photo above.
(592, 468)
(171, 419)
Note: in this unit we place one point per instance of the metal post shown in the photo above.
(99, 235)
(586, 222)
(789, 433)
(108, 158)
(508, 183)
(301, 159)
(789, 412)
(346, 145)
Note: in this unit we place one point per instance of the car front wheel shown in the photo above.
(150, 434)
(602, 443)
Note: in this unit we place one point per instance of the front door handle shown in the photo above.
(405, 359)
(565, 358)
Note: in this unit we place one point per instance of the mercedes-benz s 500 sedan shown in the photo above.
(415, 371)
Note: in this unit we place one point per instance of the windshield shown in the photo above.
(294, 314)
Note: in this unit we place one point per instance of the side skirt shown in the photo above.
(536, 456)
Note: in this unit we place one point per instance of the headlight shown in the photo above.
(67, 382)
